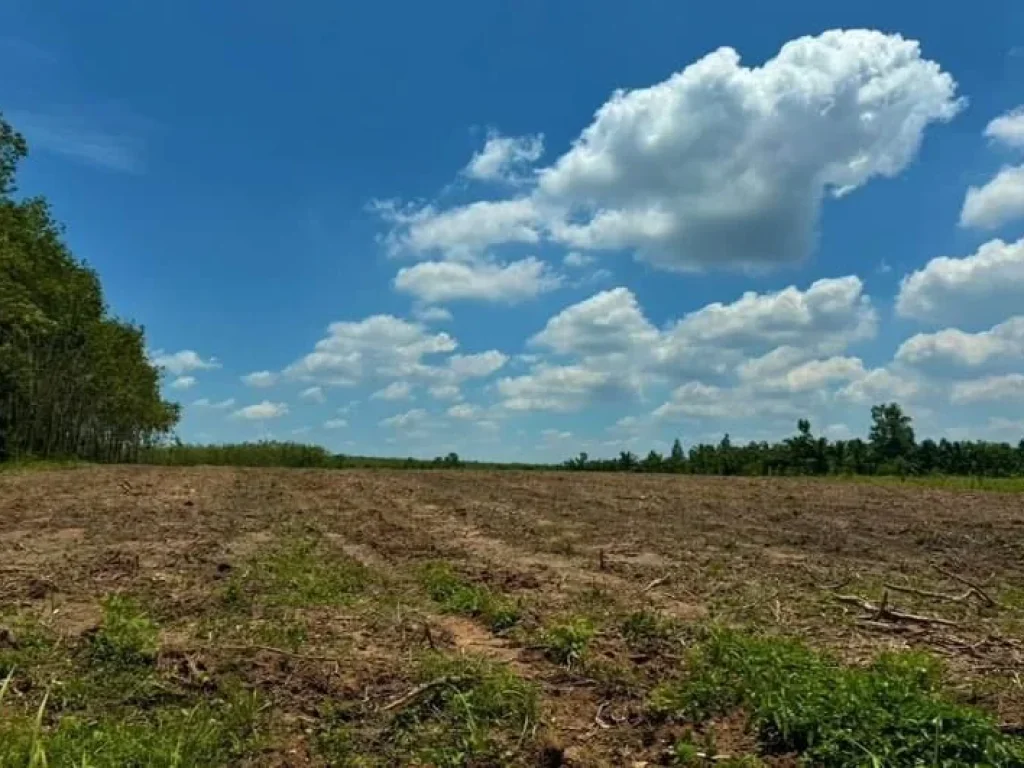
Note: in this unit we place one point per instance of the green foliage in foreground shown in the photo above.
(298, 573)
(468, 711)
(567, 643)
(456, 595)
(213, 733)
(126, 637)
(889, 713)
(102, 702)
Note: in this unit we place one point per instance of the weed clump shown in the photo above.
(102, 703)
(465, 711)
(211, 733)
(567, 643)
(647, 631)
(126, 637)
(459, 596)
(889, 713)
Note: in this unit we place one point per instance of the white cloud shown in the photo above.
(720, 164)
(724, 165)
(432, 314)
(880, 385)
(444, 281)
(409, 419)
(553, 388)
(182, 362)
(576, 259)
(461, 233)
(615, 350)
(445, 392)
(698, 400)
(609, 321)
(75, 136)
(830, 314)
(953, 347)
(1002, 424)
(998, 202)
(378, 347)
(985, 286)
(991, 388)
(314, 394)
(464, 411)
(555, 435)
(335, 424)
(838, 431)
(183, 382)
(260, 379)
(812, 375)
(1008, 129)
(260, 411)
(221, 405)
(503, 158)
(396, 390)
(477, 365)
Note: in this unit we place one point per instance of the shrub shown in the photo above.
(567, 643)
(889, 713)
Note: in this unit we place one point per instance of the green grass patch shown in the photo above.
(127, 637)
(567, 643)
(99, 700)
(456, 595)
(477, 710)
(892, 712)
(465, 710)
(212, 733)
(298, 573)
(689, 753)
(648, 631)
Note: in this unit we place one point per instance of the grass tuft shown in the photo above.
(889, 713)
(127, 637)
(567, 643)
(211, 733)
(471, 711)
(481, 705)
(297, 574)
(648, 631)
(456, 595)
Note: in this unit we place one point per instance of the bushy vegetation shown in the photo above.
(101, 701)
(272, 453)
(74, 381)
(466, 711)
(892, 712)
(890, 449)
(567, 643)
(456, 595)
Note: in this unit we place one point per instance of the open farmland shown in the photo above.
(289, 617)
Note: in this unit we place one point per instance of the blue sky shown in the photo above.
(522, 230)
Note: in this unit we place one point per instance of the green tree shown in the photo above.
(891, 436)
(73, 380)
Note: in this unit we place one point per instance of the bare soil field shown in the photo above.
(291, 617)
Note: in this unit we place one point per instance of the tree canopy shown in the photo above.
(891, 449)
(74, 381)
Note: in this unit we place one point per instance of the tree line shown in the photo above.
(890, 449)
(74, 381)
